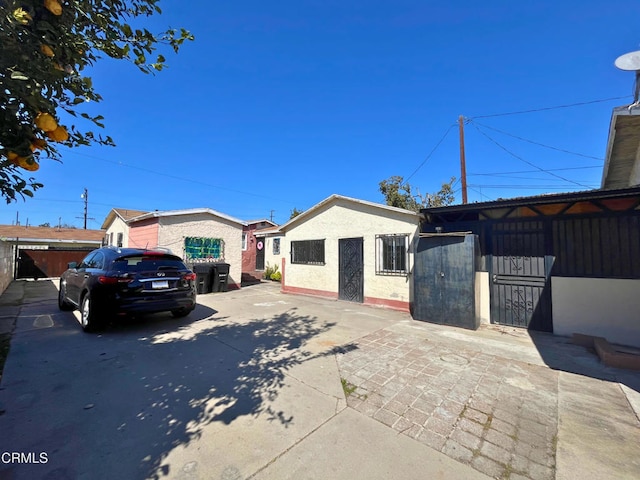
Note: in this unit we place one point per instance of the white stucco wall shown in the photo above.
(118, 226)
(344, 219)
(608, 308)
(269, 257)
(173, 230)
(483, 297)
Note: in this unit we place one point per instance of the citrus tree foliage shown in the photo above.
(294, 213)
(398, 193)
(45, 47)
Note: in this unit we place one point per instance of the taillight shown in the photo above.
(189, 276)
(103, 279)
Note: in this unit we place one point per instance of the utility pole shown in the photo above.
(463, 166)
(272, 212)
(85, 195)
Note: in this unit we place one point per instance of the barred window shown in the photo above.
(391, 254)
(276, 246)
(310, 252)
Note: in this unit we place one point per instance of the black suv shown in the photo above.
(120, 281)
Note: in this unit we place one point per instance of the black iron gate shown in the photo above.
(350, 271)
(520, 276)
(444, 280)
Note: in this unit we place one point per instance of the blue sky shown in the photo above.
(277, 105)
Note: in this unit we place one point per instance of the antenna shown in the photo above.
(630, 62)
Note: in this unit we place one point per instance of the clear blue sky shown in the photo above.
(277, 105)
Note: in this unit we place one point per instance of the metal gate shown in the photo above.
(350, 271)
(521, 285)
(444, 280)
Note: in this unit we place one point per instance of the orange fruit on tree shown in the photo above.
(37, 143)
(60, 134)
(46, 122)
(47, 50)
(53, 6)
(31, 166)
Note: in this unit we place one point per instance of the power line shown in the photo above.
(529, 187)
(175, 177)
(533, 171)
(579, 104)
(528, 162)
(537, 143)
(432, 152)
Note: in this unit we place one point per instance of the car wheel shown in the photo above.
(88, 316)
(62, 298)
(183, 312)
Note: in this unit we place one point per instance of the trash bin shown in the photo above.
(220, 277)
(203, 277)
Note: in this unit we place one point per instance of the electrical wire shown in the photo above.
(536, 143)
(528, 162)
(530, 171)
(579, 104)
(432, 152)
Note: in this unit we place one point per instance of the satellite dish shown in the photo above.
(629, 61)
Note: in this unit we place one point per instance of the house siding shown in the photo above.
(345, 219)
(144, 234)
(173, 230)
(118, 226)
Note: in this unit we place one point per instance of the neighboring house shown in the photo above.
(622, 165)
(198, 235)
(272, 240)
(253, 252)
(42, 251)
(351, 249)
(116, 228)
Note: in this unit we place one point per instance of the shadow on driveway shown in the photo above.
(116, 403)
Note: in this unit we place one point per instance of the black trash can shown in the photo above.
(220, 277)
(203, 277)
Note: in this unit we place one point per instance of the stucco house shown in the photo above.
(198, 235)
(116, 228)
(272, 240)
(352, 250)
(253, 251)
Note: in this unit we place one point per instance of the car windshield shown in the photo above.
(141, 263)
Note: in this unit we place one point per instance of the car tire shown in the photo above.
(62, 299)
(89, 319)
(182, 312)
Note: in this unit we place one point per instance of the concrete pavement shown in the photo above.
(257, 384)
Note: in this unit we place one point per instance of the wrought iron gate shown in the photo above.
(350, 271)
(520, 285)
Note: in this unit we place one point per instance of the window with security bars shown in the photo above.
(391, 254)
(308, 252)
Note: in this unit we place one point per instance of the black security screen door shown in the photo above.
(351, 281)
(520, 283)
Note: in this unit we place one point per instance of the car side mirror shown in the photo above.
(72, 265)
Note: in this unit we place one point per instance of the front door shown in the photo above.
(520, 281)
(259, 253)
(351, 270)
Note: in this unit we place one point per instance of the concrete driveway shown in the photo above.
(257, 384)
